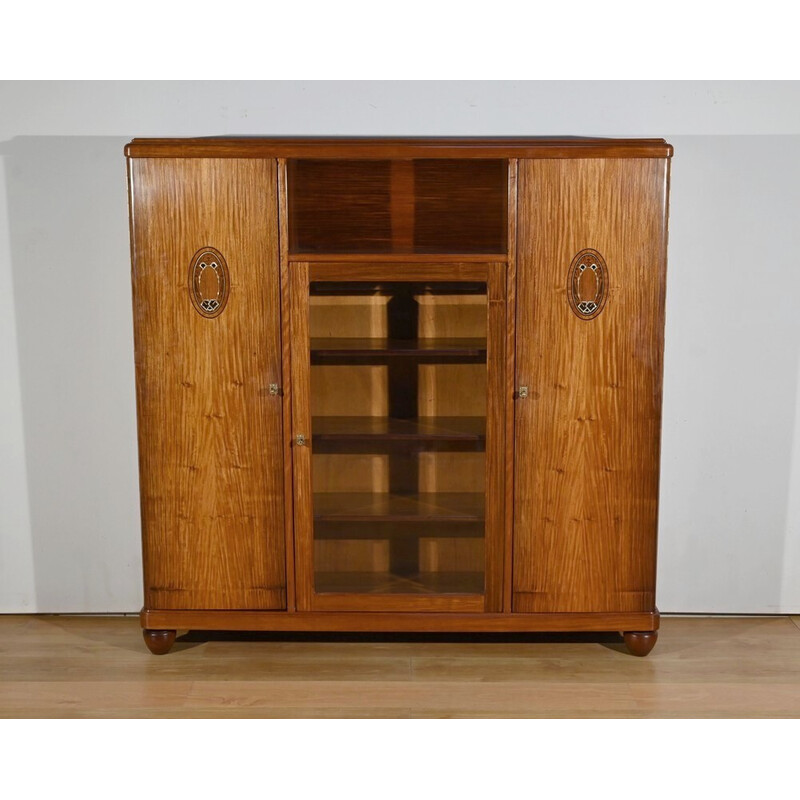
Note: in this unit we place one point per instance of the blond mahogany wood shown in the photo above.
(301, 425)
(286, 389)
(375, 270)
(389, 148)
(401, 210)
(510, 375)
(210, 436)
(571, 473)
(411, 259)
(397, 205)
(328, 602)
(495, 436)
(398, 622)
(494, 276)
(587, 437)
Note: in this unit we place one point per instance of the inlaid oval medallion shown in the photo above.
(209, 284)
(587, 285)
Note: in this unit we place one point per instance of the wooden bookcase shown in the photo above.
(399, 385)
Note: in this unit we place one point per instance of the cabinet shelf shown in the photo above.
(361, 350)
(390, 583)
(400, 258)
(380, 528)
(420, 507)
(385, 434)
(355, 285)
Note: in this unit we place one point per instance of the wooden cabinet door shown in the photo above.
(589, 351)
(397, 391)
(207, 349)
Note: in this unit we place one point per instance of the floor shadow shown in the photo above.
(201, 637)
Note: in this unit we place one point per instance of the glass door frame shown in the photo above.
(437, 269)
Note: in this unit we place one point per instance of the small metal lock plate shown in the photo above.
(522, 392)
(300, 440)
(273, 389)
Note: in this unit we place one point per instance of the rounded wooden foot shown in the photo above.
(640, 643)
(159, 642)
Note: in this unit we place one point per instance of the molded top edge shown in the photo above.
(389, 148)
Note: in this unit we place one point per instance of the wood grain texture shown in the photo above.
(389, 148)
(340, 206)
(302, 499)
(411, 259)
(210, 451)
(379, 270)
(286, 389)
(460, 205)
(397, 206)
(495, 436)
(386, 602)
(587, 437)
(579, 457)
(401, 202)
(364, 620)
(510, 377)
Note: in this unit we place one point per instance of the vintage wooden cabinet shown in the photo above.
(399, 385)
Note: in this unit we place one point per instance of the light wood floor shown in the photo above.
(54, 666)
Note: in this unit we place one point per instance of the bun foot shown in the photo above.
(640, 643)
(159, 642)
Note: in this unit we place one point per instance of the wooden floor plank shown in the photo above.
(57, 666)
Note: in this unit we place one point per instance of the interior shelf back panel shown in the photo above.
(415, 206)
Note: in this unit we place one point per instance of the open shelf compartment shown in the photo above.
(411, 206)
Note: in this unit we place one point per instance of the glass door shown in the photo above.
(397, 436)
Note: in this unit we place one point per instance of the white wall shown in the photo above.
(730, 500)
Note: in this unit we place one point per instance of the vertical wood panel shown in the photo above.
(210, 436)
(286, 389)
(401, 205)
(587, 437)
(495, 436)
(510, 377)
(301, 421)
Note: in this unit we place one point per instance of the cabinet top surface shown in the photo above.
(393, 148)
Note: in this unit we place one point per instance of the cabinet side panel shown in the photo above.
(587, 436)
(210, 434)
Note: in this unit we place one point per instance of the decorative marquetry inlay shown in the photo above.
(587, 285)
(209, 285)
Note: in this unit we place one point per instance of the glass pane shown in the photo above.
(398, 404)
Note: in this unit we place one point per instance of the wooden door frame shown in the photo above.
(493, 272)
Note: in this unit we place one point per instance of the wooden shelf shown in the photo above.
(389, 583)
(421, 507)
(350, 349)
(377, 528)
(425, 429)
(401, 258)
(381, 286)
